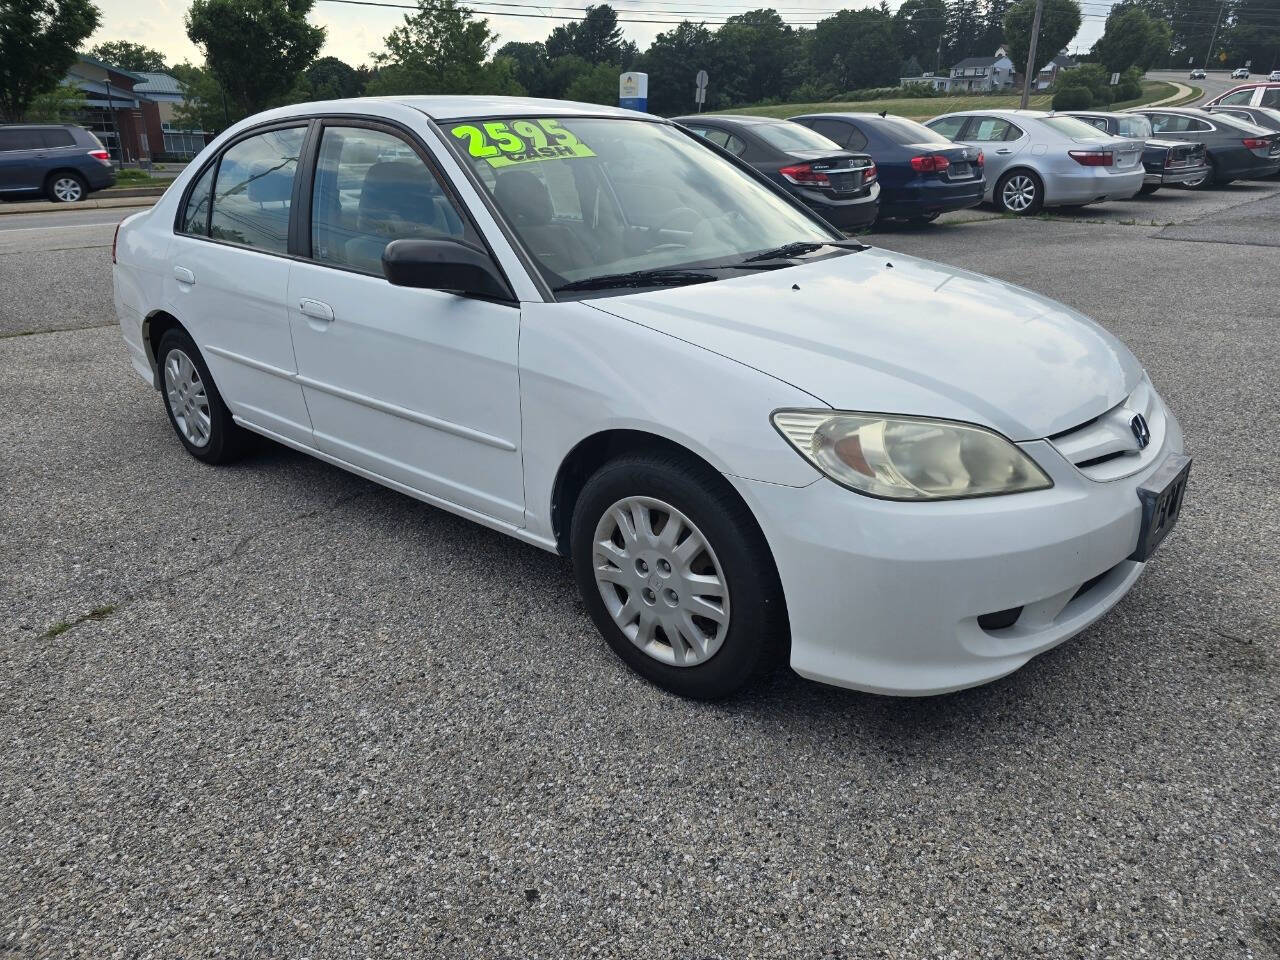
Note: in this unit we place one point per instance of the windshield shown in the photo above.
(786, 135)
(1075, 128)
(596, 196)
(908, 132)
(1134, 126)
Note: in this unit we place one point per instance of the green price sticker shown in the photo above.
(502, 144)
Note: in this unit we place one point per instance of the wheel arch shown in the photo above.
(57, 171)
(154, 326)
(1021, 166)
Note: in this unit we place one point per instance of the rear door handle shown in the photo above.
(1004, 150)
(316, 310)
(183, 275)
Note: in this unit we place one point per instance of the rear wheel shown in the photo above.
(1205, 181)
(199, 417)
(66, 186)
(1149, 188)
(676, 574)
(1019, 192)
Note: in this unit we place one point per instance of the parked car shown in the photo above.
(1261, 93)
(1037, 159)
(1236, 149)
(62, 161)
(1240, 73)
(841, 185)
(1197, 74)
(594, 332)
(922, 174)
(1166, 161)
(1266, 117)
(1274, 76)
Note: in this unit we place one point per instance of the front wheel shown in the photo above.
(1019, 192)
(676, 574)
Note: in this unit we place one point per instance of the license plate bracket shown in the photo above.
(1161, 496)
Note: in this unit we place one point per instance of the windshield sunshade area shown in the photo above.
(592, 197)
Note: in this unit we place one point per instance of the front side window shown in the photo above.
(370, 188)
(949, 127)
(591, 197)
(1270, 97)
(254, 190)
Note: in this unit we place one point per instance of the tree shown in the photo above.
(597, 84)
(964, 32)
(1132, 38)
(439, 49)
(529, 65)
(1059, 23)
(596, 38)
(256, 48)
(331, 79)
(855, 49)
(204, 106)
(56, 106)
(993, 26)
(38, 43)
(753, 56)
(672, 62)
(130, 56)
(918, 29)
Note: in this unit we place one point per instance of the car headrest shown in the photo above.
(400, 189)
(524, 196)
(271, 181)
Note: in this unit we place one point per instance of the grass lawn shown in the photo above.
(130, 177)
(926, 107)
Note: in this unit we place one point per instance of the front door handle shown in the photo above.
(1004, 150)
(316, 310)
(183, 275)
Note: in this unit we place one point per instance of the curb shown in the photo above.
(132, 200)
(1183, 93)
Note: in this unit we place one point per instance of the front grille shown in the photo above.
(1106, 447)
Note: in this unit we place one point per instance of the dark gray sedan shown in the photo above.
(1166, 161)
(1237, 149)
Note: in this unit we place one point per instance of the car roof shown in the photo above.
(743, 118)
(456, 107)
(854, 115)
(1004, 114)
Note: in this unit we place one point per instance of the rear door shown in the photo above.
(228, 278)
(418, 386)
(1000, 141)
(19, 167)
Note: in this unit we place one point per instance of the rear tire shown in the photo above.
(1020, 192)
(196, 411)
(713, 583)
(1148, 189)
(66, 186)
(1206, 181)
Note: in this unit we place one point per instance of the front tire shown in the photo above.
(196, 411)
(676, 574)
(1020, 192)
(66, 186)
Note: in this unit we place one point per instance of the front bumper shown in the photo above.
(885, 597)
(1091, 184)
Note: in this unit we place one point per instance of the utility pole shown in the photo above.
(1031, 54)
(1209, 53)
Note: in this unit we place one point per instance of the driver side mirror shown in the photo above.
(442, 264)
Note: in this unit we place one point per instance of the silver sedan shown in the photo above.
(1037, 159)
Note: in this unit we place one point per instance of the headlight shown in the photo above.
(909, 458)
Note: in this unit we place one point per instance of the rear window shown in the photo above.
(1075, 128)
(57, 138)
(1244, 126)
(907, 132)
(786, 135)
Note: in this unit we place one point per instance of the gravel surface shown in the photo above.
(276, 710)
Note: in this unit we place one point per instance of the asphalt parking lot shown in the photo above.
(276, 710)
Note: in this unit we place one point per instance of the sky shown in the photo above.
(355, 33)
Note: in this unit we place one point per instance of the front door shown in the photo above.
(229, 278)
(418, 386)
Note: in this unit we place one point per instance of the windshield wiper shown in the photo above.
(638, 278)
(801, 247)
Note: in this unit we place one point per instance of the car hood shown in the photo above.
(880, 331)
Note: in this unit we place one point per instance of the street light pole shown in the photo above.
(1031, 54)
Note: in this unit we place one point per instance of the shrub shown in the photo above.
(1073, 98)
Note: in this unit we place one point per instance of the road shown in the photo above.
(1214, 83)
(273, 709)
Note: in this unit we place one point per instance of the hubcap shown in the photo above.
(1019, 193)
(188, 401)
(661, 582)
(67, 189)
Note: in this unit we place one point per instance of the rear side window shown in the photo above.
(57, 138)
(371, 187)
(254, 190)
(20, 140)
(948, 127)
(1170, 123)
(1134, 125)
(195, 217)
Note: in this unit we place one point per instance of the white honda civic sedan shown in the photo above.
(598, 333)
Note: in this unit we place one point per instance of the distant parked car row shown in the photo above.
(61, 161)
(855, 168)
